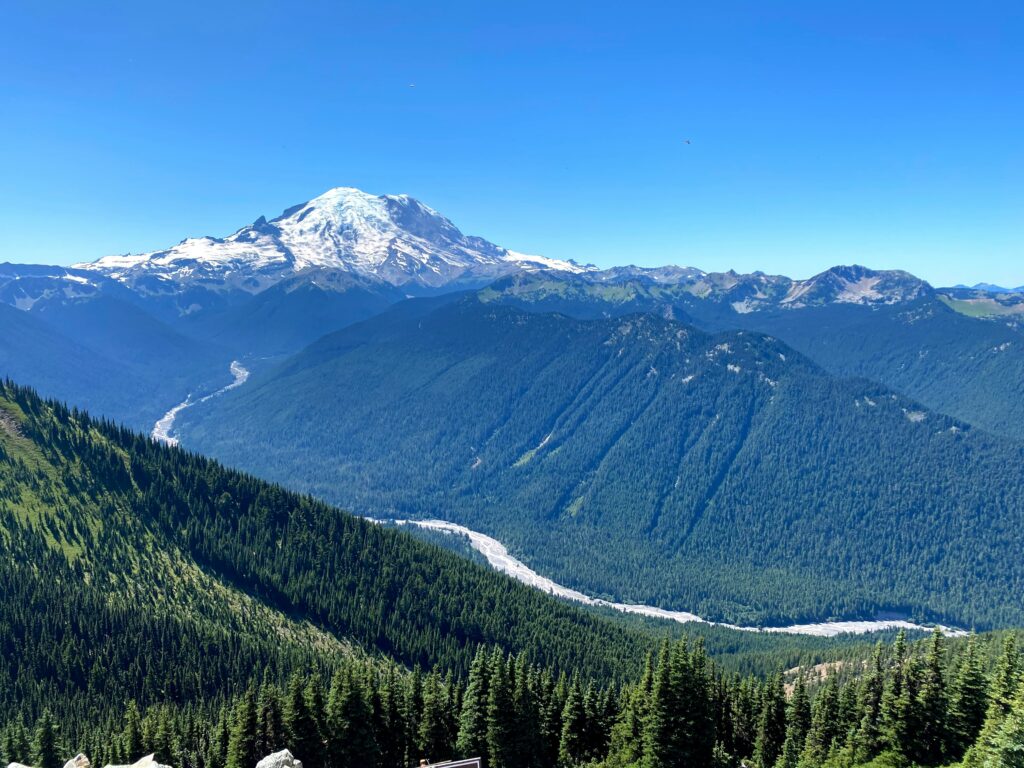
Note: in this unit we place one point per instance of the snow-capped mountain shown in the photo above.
(36, 286)
(392, 238)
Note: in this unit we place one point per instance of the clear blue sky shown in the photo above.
(884, 133)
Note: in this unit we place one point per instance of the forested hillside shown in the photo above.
(923, 704)
(640, 458)
(965, 367)
(129, 568)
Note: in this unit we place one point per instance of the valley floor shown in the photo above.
(499, 558)
(165, 425)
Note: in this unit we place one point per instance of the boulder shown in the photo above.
(282, 759)
(149, 761)
(18, 765)
(78, 761)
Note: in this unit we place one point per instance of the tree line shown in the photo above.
(909, 704)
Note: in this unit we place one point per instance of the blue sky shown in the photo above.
(889, 134)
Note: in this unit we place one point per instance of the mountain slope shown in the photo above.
(644, 459)
(900, 333)
(131, 525)
(107, 356)
(295, 312)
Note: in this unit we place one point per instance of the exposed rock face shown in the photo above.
(78, 761)
(149, 761)
(282, 759)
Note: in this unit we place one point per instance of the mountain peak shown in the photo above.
(856, 284)
(393, 238)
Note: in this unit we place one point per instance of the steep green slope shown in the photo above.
(126, 565)
(645, 460)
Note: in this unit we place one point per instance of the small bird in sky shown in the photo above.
(687, 141)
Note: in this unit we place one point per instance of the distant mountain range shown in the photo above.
(164, 324)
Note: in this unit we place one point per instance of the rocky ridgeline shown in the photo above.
(282, 759)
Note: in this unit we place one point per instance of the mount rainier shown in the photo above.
(392, 238)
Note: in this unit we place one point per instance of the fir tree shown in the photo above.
(501, 719)
(824, 730)
(661, 728)
(131, 737)
(300, 728)
(771, 730)
(472, 738)
(933, 734)
(242, 741)
(45, 752)
(572, 747)
(351, 740)
(270, 735)
(868, 737)
(968, 701)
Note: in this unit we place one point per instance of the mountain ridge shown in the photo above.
(638, 458)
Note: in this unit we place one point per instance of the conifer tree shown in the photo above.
(501, 720)
(771, 730)
(968, 701)
(269, 720)
(550, 733)
(388, 722)
(824, 730)
(1007, 676)
(472, 738)
(693, 678)
(131, 737)
(798, 723)
(868, 740)
(932, 737)
(744, 714)
(300, 728)
(242, 740)
(45, 752)
(626, 745)
(661, 728)
(351, 740)
(572, 747)
(527, 714)
(1009, 752)
(316, 704)
(162, 740)
(217, 749)
(412, 705)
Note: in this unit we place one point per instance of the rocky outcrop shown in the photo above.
(282, 759)
(149, 761)
(78, 761)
